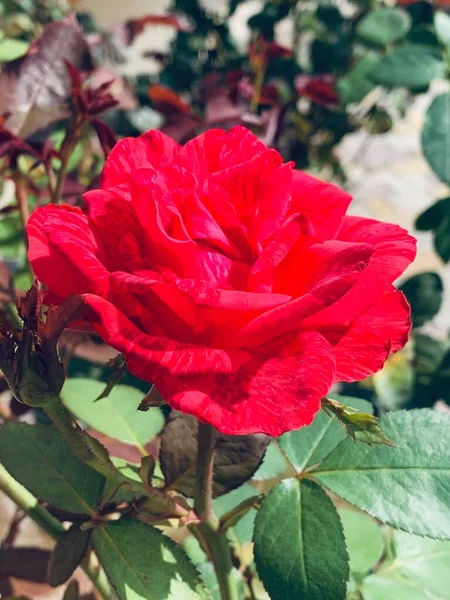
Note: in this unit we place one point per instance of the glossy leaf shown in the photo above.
(236, 457)
(116, 415)
(300, 547)
(40, 459)
(364, 539)
(424, 293)
(144, 564)
(436, 136)
(310, 445)
(406, 486)
(411, 65)
(384, 26)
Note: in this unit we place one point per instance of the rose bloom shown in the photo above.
(234, 283)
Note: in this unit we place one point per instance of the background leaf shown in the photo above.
(116, 415)
(384, 26)
(406, 486)
(309, 445)
(411, 65)
(357, 83)
(424, 293)
(442, 26)
(364, 539)
(436, 136)
(144, 564)
(40, 459)
(300, 547)
(419, 570)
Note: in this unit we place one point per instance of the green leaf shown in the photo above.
(12, 49)
(441, 239)
(144, 564)
(384, 26)
(273, 464)
(432, 217)
(395, 382)
(69, 551)
(419, 571)
(300, 547)
(411, 65)
(424, 293)
(436, 136)
(364, 538)
(357, 83)
(243, 530)
(442, 26)
(378, 587)
(116, 415)
(406, 486)
(422, 560)
(40, 459)
(309, 445)
(210, 578)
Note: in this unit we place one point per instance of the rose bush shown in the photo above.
(233, 282)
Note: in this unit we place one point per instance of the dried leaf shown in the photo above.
(236, 457)
(35, 88)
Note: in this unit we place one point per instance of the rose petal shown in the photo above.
(324, 203)
(268, 397)
(64, 253)
(149, 149)
(363, 349)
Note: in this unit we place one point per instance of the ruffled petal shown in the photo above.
(216, 149)
(395, 249)
(151, 149)
(117, 229)
(63, 252)
(362, 349)
(153, 357)
(324, 203)
(270, 397)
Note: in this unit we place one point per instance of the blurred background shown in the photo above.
(353, 91)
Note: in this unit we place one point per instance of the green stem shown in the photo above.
(207, 530)
(67, 148)
(28, 503)
(88, 449)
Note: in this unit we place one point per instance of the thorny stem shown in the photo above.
(207, 530)
(28, 503)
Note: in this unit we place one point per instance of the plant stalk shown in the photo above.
(29, 504)
(207, 530)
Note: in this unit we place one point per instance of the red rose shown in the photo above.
(233, 282)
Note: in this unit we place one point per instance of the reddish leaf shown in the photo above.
(134, 27)
(106, 135)
(35, 87)
(167, 101)
(319, 89)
